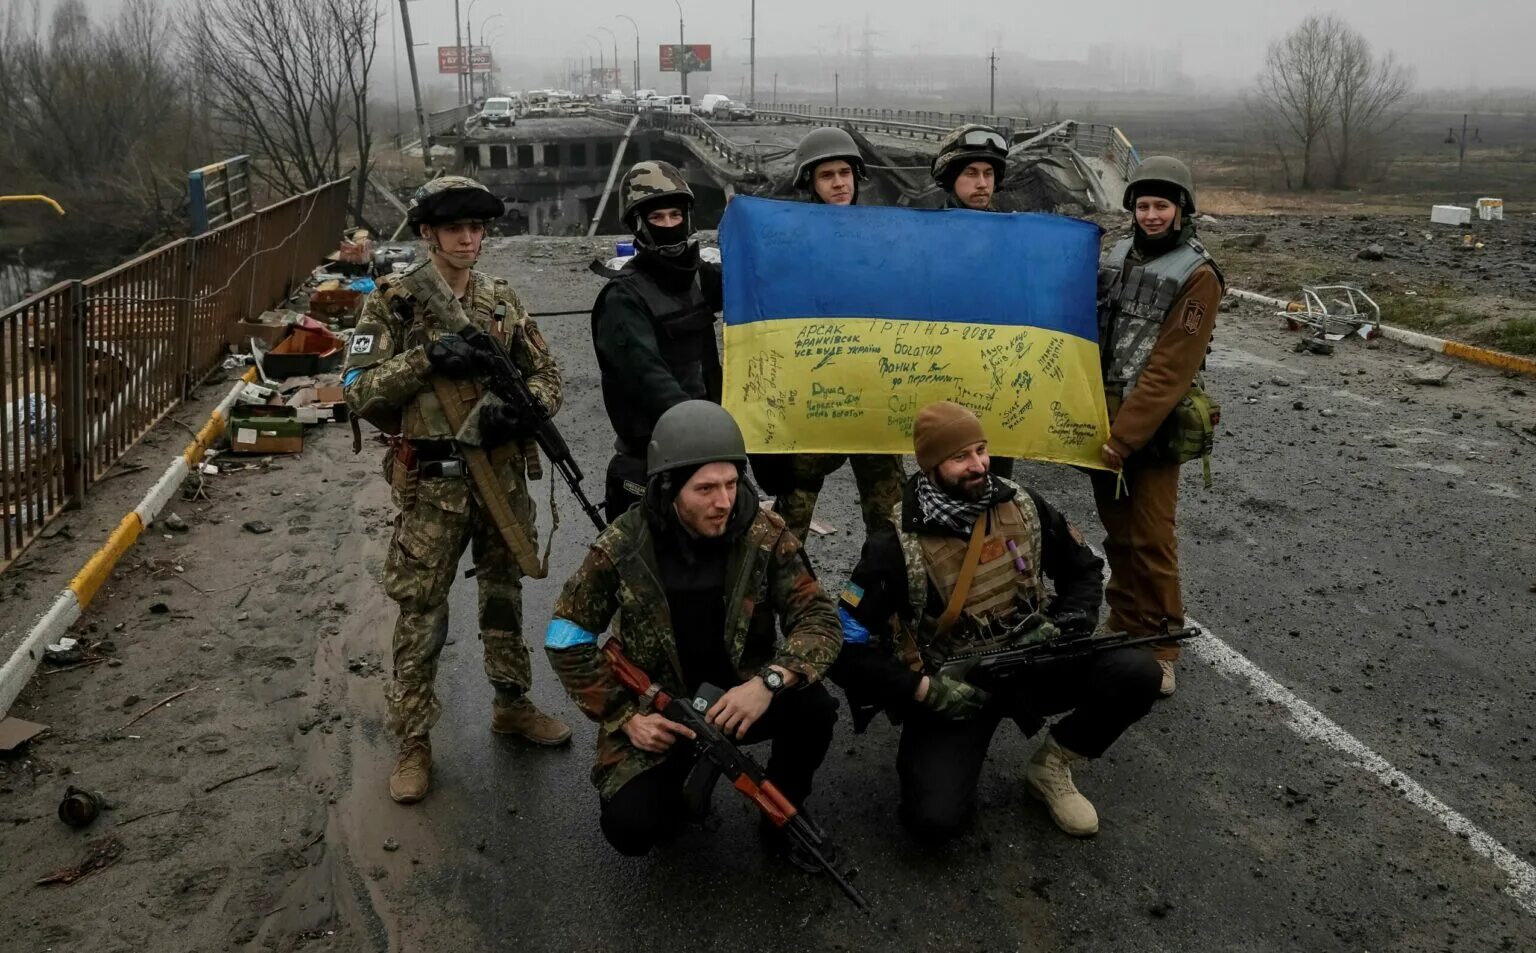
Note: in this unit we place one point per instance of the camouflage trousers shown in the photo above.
(879, 477)
(436, 521)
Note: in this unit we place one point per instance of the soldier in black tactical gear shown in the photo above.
(653, 324)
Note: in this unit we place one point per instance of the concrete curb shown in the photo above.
(1466, 352)
(72, 602)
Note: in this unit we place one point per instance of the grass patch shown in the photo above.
(1516, 336)
(1427, 311)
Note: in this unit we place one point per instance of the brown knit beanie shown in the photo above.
(942, 430)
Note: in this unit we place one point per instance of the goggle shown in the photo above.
(983, 138)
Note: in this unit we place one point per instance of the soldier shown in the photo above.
(966, 556)
(394, 366)
(829, 167)
(1159, 292)
(703, 580)
(653, 326)
(969, 167)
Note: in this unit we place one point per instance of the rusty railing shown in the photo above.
(89, 366)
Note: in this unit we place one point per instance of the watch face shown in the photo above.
(773, 680)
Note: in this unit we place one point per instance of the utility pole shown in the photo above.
(1450, 136)
(458, 40)
(992, 78)
(775, 90)
(752, 58)
(682, 51)
(837, 91)
(637, 48)
(410, 54)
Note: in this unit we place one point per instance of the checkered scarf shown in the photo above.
(936, 506)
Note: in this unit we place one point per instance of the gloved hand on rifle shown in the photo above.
(1075, 625)
(954, 699)
(452, 356)
(501, 424)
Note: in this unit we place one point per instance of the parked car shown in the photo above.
(576, 108)
(680, 104)
(706, 106)
(498, 111)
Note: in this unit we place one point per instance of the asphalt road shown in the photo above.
(1368, 544)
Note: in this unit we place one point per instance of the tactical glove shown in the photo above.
(1076, 624)
(500, 424)
(953, 699)
(452, 356)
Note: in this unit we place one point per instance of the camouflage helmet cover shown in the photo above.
(822, 145)
(453, 198)
(969, 143)
(1164, 169)
(693, 433)
(650, 180)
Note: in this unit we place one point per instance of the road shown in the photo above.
(1365, 561)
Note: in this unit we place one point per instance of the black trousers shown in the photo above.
(939, 761)
(625, 485)
(650, 808)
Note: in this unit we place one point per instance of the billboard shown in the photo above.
(609, 78)
(693, 58)
(450, 59)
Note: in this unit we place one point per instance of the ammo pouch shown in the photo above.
(1189, 432)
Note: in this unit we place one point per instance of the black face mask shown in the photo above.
(668, 238)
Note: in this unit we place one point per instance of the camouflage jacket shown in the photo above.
(767, 578)
(388, 381)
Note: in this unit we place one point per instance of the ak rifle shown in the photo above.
(507, 382)
(1035, 641)
(744, 773)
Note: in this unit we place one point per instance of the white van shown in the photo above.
(709, 102)
(680, 104)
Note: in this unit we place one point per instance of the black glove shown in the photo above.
(452, 356)
(1076, 624)
(500, 424)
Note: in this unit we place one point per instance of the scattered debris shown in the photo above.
(391, 845)
(15, 732)
(1352, 312)
(164, 701)
(1246, 242)
(159, 608)
(1431, 375)
(256, 526)
(80, 807)
(99, 855)
(1371, 253)
(66, 651)
(239, 777)
(174, 523)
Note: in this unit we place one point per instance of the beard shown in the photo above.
(970, 488)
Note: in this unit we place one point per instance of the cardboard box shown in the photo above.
(303, 353)
(319, 404)
(1450, 215)
(270, 428)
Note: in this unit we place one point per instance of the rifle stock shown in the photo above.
(744, 773)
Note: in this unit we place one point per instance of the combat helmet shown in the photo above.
(969, 143)
(822, 145)
(453, 198)
(646, 185)
(691, 434)
(1168, 171)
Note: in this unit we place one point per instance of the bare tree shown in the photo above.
(286, 81)
(1297, 92)
(1371, 95)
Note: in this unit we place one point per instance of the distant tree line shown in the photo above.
(1327, 105)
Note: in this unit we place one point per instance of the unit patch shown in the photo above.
(362, 343)
(1194, 316)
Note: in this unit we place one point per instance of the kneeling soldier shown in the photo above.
(966, 559)
(702, 580)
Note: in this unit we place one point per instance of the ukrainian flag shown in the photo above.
(841, 323)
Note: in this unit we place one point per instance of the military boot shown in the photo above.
(1170, 684)
(1049, 775)
(413, 770)
(523, 718)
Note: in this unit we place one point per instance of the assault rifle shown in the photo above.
(738, 767)
(1035, 640)
(506, 382)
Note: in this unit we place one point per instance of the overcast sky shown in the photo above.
(1449, 42)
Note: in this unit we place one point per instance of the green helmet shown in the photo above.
(1167, 170)
(650, 180)
(691, 434)
(453, 198)
(822, 145)
(966, 144)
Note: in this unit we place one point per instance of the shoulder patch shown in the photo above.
(853, 594)
(1194, 316)
(362, 343)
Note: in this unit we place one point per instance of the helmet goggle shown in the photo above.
(983, 138)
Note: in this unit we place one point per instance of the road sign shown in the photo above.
(693, 58)
(450, 59)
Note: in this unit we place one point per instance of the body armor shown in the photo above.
(1134, 302)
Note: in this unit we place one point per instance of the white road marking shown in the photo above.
(1313, 725)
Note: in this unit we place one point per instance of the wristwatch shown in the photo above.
(772, 679)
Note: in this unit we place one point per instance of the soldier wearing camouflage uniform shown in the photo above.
(703, 580)
(965, 557)
(394, 362)
(969, 167)
(653, 326)
(829, 168)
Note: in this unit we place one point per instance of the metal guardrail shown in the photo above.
(688, 124)
(444, 120)
(901, 121)
(89, 366)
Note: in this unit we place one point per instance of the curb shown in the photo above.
(72, 602)
(1488, 357)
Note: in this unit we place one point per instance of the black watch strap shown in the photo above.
(771, 678)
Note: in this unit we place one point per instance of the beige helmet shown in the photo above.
(965, 144)
(822, 145)
(1165, 170)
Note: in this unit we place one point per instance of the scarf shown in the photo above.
(939, 508)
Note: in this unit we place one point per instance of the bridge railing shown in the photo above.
(918, 123)
(688, 124)
(89, 366)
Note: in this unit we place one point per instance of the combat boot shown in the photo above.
(1049, 775)
(523, 718)
(413, 770)
(1170, 684)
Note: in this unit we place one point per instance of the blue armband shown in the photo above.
(854, 632)
(565, 634)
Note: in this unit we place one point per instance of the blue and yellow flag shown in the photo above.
(841, 323)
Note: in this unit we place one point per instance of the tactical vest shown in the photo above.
(423, 418)
(1133, 304)
(684, 323)
(999, 591)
